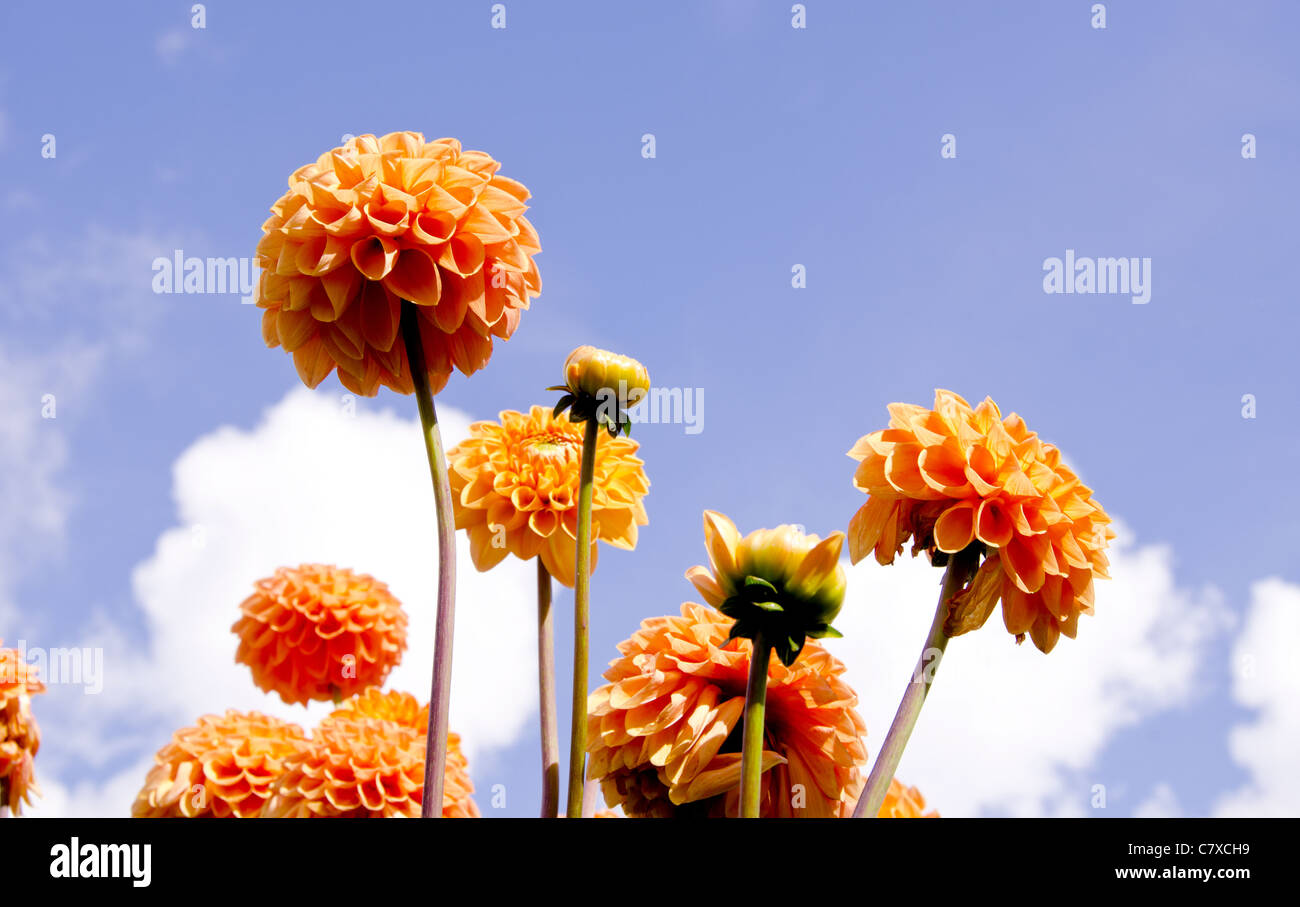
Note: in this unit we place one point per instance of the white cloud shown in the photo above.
(90, 799)
(1266, 679)
(1006, 729)
(309, 483)
(1161, 804)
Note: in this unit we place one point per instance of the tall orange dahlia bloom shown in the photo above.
(358, 767)
(903, 802)
(515, 490)
(20, 736)
(954, 476)
(222, 767)
(320, 632)
(382, 220)
(664, 733)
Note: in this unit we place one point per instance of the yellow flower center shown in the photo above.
(548, 449)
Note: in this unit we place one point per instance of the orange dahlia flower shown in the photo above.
(380, 221)
(223, 767)
(20, 736)
(400, 708)
(904, 803)
(664, 733)
(956, 476)
(515, 490)
(358, 767)
(320, 632)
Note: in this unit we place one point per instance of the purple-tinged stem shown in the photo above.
(961, 567)
(435, 753)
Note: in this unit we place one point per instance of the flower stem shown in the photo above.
(581, 607)
(546, 691)
(961, 567)
(435, 753)
(751, 759)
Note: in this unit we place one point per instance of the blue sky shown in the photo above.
(775, 146)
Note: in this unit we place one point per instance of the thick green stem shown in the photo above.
(546, 693)
(581, 608)
(961, 567)
(435, 753)
(751, 758)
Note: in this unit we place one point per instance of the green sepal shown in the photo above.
(564, 403)
(788, 649)
(769, 606)
(558, 387)
(825, 631)
(757, 582)
(733, 607)
(742, 629)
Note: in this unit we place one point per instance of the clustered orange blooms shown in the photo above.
(320, 632)
(221, 767)
(359, 765)
(380, 221)
(515, 490)
(955, 475)
(365, 760)
(20, 737)
(664, 733)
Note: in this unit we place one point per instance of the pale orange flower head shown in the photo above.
(222, 767)
(361, 767)
(664, 735)
(382, 221)
(954, 477)
(20, 736)
(782, 582)
(903, 802)
(320, 632)
(391, 705)
(515, 483)
(603, 386)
